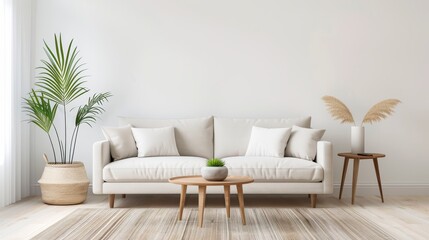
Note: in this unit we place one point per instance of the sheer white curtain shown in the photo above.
(15, 16)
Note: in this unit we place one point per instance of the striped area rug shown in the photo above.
(262, 223)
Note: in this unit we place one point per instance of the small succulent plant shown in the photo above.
(215, 162)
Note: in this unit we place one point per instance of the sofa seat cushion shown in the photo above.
(152, 168)
(275, 169)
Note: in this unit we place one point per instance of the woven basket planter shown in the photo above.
(64, 184)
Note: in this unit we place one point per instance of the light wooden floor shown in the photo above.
(406, 217)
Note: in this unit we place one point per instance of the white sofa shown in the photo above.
(204, 138)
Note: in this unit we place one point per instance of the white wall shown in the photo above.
(192, 58)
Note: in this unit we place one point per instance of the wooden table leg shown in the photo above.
(201, 204)
(343, 177)
(182, 200)
(355, 178)
(377, 172)
(227, 200)
(241, 202)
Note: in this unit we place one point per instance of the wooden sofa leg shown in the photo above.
(111, 200)
(313, 200)
(124, 195)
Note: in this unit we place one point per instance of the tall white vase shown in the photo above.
(358, 139)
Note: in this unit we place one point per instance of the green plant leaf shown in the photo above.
(40, 110)
(215, 162)
(87, 114)
(62, 76)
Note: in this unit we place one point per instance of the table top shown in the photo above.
(355, 155)
(200, 181)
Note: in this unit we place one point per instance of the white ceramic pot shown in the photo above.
(64, 184)
(214, 173)
(358, 139)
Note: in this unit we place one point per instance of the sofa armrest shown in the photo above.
(100, 158)
(325, 158)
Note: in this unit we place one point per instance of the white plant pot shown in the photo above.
(214, 173)
(358, 139)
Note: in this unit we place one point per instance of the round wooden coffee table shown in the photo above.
(202, 185)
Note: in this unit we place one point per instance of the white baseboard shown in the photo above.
(388, 189)
(362, 189)
(35, 190)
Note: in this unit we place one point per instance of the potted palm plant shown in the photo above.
(60, 83)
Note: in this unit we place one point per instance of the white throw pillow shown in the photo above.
(155, 141)
(268, 142)
(122, 144)
(303, 142)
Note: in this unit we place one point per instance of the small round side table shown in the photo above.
(356, 159)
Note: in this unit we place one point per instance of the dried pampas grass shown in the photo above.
(338, 110)
(376, 113)
(380, 111)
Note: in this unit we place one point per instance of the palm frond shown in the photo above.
(380, 111)
(87, 114)
(62, 76)
(40, 110)
(338, 109)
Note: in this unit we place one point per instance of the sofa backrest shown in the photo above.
(232, 135)
(194, 137)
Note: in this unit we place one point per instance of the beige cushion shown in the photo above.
(303, 142)
(121, 140)
(277, 169)
(232, 135)
(155, 141)
(268, 142)
(194, 137)
(152, 168)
